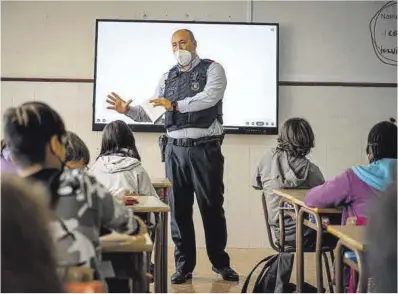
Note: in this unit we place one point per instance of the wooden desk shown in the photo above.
(296, 197)
(352, 238)
(131, 248)
(161, 186)
(116, 242)
(352, 235)
(149, 204)
(159, 183)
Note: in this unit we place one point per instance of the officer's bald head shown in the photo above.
(183, 39)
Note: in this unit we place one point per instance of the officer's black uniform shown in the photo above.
(195, 166)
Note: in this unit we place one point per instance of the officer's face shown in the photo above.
(182, 40)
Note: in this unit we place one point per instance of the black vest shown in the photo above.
(180, 85)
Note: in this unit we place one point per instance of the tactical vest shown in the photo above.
(180, 85)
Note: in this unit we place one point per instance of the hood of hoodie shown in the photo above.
(377, 174)
(288, 171)
(115, 163)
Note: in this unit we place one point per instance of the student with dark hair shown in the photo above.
(36, 137)
(355, 188)
(287, 166)
(28, 263)
(77, 153)
(382, 241)
(118, 166)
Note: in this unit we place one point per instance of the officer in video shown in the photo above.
(191, 93)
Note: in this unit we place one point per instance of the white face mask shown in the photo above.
(183, 57)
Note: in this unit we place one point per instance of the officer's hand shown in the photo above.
(117, 103)
(164, 102)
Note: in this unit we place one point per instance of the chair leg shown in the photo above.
(332, 257)
(328, 275)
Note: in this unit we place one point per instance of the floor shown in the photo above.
(242, 260)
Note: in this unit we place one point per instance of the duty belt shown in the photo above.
(187, 142)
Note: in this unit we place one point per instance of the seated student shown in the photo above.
(35, 135)
(118, 166)
(27, 253)
(77, 153)
(287, 166)
(355, 188)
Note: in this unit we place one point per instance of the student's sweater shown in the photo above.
(121, 173)
(354, 189)
(84, 206)
(278, 170)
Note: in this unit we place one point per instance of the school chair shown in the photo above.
(280, 247)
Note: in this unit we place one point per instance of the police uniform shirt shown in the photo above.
(210, 96)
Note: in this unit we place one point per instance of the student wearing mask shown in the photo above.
(191, 93)
(36, 137)
(354, 189)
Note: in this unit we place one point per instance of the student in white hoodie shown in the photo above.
(118, 167)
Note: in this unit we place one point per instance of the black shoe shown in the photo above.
(180, 277)
(227, 273)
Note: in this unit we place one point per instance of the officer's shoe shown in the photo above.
(227, 273)
(179, 277)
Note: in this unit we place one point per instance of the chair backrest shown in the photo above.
(269, 232)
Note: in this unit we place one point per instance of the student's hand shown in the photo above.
(117, 103)
(164, 102)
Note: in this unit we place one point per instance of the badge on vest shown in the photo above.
(195, 86)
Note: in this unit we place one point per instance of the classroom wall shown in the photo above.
(56, 40)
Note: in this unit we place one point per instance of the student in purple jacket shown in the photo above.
(355, 188)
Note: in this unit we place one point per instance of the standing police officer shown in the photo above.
(191, 93)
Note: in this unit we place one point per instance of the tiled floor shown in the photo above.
(242, 260)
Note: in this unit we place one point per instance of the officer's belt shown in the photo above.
(187, 142)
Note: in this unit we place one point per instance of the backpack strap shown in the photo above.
(268, 261)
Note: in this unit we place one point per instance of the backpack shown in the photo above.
(275, 275)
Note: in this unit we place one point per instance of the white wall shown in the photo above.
(56, 39)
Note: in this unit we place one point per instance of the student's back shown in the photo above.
(119, 171)
(356, 188)
(118, 167)
(287, 167)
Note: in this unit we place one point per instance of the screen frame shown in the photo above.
(161, 129)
